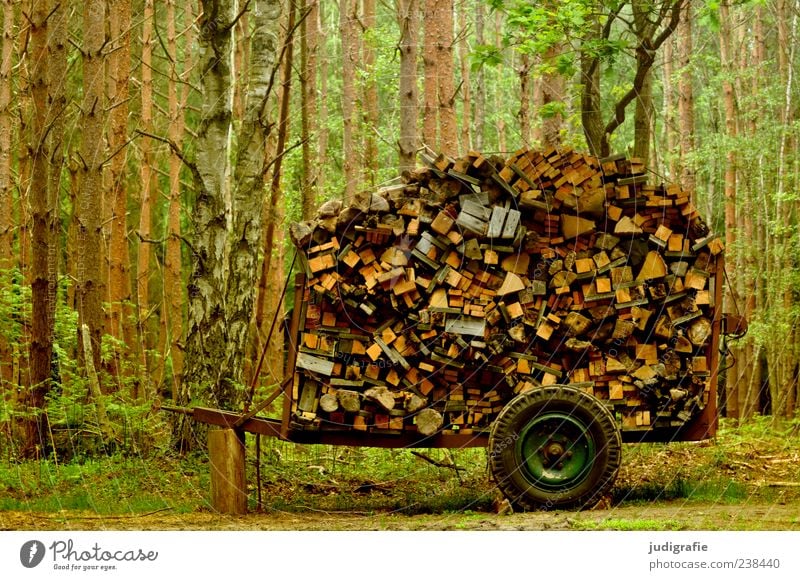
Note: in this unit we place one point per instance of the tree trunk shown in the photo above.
(272, 256)
(90, 291)
(224, 268)
(448, 126)
(480, 80)
(149, 185)
(348, 14)
(119, 283)
(24, 162)
(430, 113)
(43, 213)
(591, 115)
(553, 89)
(524, 112)
(500, 123)
(670, 138)
(322, 125)
(644, 117)
(173, 281)
(309, 47)
(207, 340)
(6, 131)
(6, 177)
(686, 101)
(248, 192)
(370, 92)
(408, 19)
(466, 88)
(729, 101)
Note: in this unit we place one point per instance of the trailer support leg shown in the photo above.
(227, 457)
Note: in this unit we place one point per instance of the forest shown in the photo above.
(153, 155)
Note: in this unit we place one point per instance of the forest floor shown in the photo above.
(658, 515)
(748, 478)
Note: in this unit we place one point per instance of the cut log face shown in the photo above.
(439, 299)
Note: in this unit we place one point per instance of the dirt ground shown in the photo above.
(675, 515)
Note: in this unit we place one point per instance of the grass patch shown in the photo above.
(109, 486)
(626, 525)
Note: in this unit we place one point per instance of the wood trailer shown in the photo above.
(548, 306)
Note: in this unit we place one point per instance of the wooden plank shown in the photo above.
(315, 364)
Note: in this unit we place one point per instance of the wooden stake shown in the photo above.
(228, 487)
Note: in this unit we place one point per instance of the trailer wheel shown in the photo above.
(555, 448)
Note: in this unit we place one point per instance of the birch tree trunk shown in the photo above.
(408, 19)
(224, 266)
(248, 191)
(207, 341)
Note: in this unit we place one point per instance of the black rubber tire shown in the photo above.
(508, 465)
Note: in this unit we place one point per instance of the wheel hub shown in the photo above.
(556, 451)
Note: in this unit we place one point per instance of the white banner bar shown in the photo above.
(401, 555)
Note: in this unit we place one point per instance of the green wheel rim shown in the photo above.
(556, 451)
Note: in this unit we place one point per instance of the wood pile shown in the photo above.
(433, 301)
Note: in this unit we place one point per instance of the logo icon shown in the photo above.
(32, 553)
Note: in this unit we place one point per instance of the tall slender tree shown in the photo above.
(90, 287)
(6, 131)
(309, 47)
(348, 16)
(430, 59)
(369, 85)
(173, 280)
(42, 290)
(480, 82)
(149, 185)
(729, 100)
(465, 87)
(408, 20)
(445, 69)
(686, 99)
(119, 281)
(6, 176)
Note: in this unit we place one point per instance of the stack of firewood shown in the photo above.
(433, 301)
